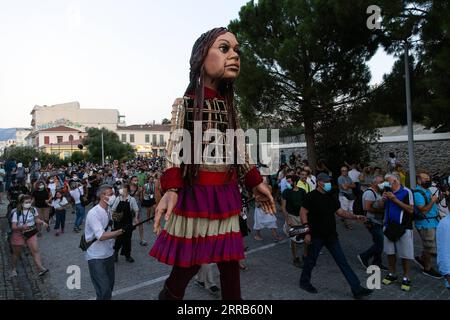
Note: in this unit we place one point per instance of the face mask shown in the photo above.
(327, 187)
(27, 205)
(289, 187)
(426, 184)
(41, 187)
(52, 181)
(111, 200)
(386, 184)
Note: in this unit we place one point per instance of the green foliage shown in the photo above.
(302, 59)
(78, 156)
(165, 121)
(114, 149)
(21, 154)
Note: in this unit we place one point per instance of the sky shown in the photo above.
(128, 55)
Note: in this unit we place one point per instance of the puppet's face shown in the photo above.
(222, 61)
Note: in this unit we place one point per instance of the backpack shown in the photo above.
(358, 205)
(418, 215)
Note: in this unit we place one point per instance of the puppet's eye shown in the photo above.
(224, 48)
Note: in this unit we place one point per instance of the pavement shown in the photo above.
(271, 274)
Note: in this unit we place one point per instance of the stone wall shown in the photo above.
(433, 156)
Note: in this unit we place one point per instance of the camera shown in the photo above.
(298, 233)
(387, 189)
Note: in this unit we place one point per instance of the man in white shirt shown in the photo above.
(100, 254)
(312, 181)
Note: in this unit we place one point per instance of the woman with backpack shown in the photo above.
(25, 219)
(41, 194)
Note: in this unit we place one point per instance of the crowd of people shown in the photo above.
(39, 199)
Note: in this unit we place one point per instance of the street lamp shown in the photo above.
(103, 148)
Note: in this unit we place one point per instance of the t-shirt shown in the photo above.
(283, 185)
(354, 175)
(305, 186)
(97, 220)
(39, 198)
(76, 194)
(26, 217)
(58, 204)
(2, 174)
(322, 208)
(344, 180)
(432, 215)
(443, 246)
(371, 195)
(312, 181)
(395, 213)
(294, 200)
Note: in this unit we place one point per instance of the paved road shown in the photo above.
(271, 274)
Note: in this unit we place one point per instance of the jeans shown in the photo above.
(60, 219)
(102, 277)
(80, 212)
(376, 249)
(335, 249)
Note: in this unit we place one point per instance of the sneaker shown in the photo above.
(200, 284)
(419, 262)
(389, 279)
(42, 272)
(363, 292)
(308, 288)
(406, 284)
(76, 230)
(432, 273)
(13, 273)
(364, 262)
(129, 259)
(143, 243)
(298, 263)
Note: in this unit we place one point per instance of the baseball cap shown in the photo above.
(323, 177)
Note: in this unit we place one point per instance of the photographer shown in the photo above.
(100, 254)
(24, 220)
(124, 211)
(373, 207)
(318, 213)
(398, 229)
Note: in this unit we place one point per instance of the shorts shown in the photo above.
(403, 247)
(346, 204)
(428, 237)
(295, 219)
(149, 203)
(17, 239)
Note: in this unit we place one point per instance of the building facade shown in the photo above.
(148, 140)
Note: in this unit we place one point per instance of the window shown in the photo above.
(147, 138)
(71, 138)
(161, 139)
(124, 137)
(154, 140)
(131, 137)
(66, 154)
(59, 139)
(46, 140)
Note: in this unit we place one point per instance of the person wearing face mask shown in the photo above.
(373, 206)
(52, 185)
(426, 222)
(124, 212)
(398, 229)
(100, 255)
(136, 193)
(25, 219)
(318, 213)
(41, 195)
(291, 203)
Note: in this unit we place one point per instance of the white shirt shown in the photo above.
(96, 221)
(354, 175)
(59, 203)
(76, 194)
(52, 187)
(26, 217)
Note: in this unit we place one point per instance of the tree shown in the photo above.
(21, 154)
(165, 121)
(114, 149)
(302, 60)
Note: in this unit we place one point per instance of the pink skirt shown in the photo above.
(17, 239)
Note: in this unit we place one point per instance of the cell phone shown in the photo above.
(387, 189)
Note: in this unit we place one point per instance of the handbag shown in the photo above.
(83, 199)
(394, 231)
(29, 232)
(84, 245)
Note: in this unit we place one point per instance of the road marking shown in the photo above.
(163, 278)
